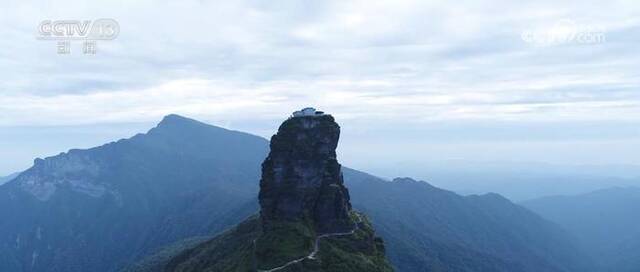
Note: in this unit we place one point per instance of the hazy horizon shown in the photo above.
(549, 81)
(391, 159)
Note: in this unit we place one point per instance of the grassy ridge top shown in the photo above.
(247, 248)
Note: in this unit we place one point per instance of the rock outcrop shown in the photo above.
(301, 177)
(305, 223)
(77, 170)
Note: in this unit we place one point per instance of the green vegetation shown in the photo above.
(232, 251)
(235, 251)
(285, 241)
(158, 261)
(361, 251)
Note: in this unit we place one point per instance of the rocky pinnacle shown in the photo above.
(302, 179)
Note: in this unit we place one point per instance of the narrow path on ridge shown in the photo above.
(316, 246)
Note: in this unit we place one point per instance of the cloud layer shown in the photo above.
(371, 63)
(413, 59)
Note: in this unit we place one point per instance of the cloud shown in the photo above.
(409, 79)
(402, 61)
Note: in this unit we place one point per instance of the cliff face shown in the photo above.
(301, 178)
(77, 170)
(305, 223)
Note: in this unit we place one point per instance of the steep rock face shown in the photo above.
(306, 222)
(77, 170)
(301, 178)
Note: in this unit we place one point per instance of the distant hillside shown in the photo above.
(104, 208)
(518, 181)
(6, 179)
(606, 222)
(429, 229)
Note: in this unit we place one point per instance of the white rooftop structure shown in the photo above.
(307, 112)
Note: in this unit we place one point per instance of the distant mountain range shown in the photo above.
(518, 181)
(427, 227)
(105, 208)
(606, 222)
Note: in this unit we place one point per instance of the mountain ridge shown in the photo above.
(179, 183)
(604, 221)
(144, 183)
(8, 178)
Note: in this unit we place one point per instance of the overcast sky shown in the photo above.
(409, 81)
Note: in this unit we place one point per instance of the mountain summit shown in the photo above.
(152, 203)
(301, 177)
(305, 222)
